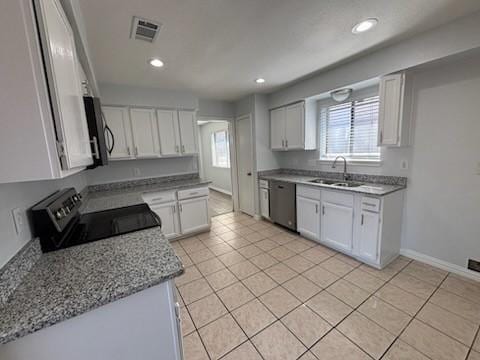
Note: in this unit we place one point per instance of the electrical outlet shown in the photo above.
(137, 172)
(404, 164)
(19, 220)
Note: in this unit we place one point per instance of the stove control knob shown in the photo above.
(58, 215)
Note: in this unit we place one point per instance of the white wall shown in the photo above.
(266, 159)
(220, 177)
(23, 196)
(213, 109)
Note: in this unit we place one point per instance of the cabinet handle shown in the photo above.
(361, 221)
(177, 150)
(183, 148)
(283, 143)
(316, 208)
(180, 207)
(136, 151)
(323, 210)
(286, 144)
(128, 150)
(173, 209)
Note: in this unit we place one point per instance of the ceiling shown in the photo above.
(216, 48)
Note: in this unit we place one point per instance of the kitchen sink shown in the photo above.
(346, 184)
(324, 181)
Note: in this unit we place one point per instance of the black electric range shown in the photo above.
(58, 223)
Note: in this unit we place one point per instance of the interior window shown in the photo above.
(220, 149)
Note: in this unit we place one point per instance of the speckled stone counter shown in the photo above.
(69, 282)
(375, 189)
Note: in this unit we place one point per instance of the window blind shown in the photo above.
(220, 149)
(350, 129)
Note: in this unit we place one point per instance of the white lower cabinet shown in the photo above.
(337, 225)
(265, 203)
(168, 214)
(368, 245)
(308, 217)
(194, 215)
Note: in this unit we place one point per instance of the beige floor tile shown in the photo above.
(186, 261)
(246, 351)
(221, 279)
(267, 244)
(457, 304)
(191, 273)
(448, 323)
(329, 307)
(206, 310)
(347, 259)
(335, 346)
(282, 238)
(425, 272)
(235, 295)
(413, 285)
(258, 226)
(264, 260)
(369, 336)
(433, 343)
(270, 232)
(259, 283)
(337, 266)
(195, 290)
(281, 253)
(230, 235)
(298, 263)
(193, 348)
(279, 301)
(186, 322)
(253, 317)
(320, 276)
(403, 351)
(220, 229)
(231, 258)
(243, 269)
(254, 237)
(308, 356)
(276, 342)
(364, 280)
(385, 315)
(250, 251)
(401, 299)
(221, 249)
(476, 344)
(280, 273)
(385, 274)
(221, 336)
(474, 355)
(297, 246)
(192, 245)
(212, 241)
(316, 255)
(466, 288)
(348, 293)
(244, 231)
(210, 266)
(302, 288)
(307, 326)
(238, 243)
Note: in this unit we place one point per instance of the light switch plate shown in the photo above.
(404, 164)
(19, 220)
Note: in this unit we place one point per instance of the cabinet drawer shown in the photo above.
(159, 197)
(370, 204)
(339, 198)
(309, 192)
(192, 193)
(263, 184)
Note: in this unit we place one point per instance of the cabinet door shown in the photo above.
(65, 85)
(168, 215)
(369, 231)
(145, 133)
(295, 127)
(169, 132)
(277, 129)
(188, 132)
(264, 203)
(308, 217)
(337, 225)
(193, 215)
(390, 110)
(118, 120)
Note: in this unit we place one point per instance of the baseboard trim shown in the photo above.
(257, 217)
(220, 190)
(444, 265)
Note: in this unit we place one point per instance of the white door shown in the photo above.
(337, 225)
(169, 132)
(369, 234)
(168, 215)
(245, 164)
(65, 85)
(277, 129)
(118, 120)
(145, 133)
(295, 127)
(188, 132)
(390, 111)
(265, 203)
(193, 214)
(308, 217)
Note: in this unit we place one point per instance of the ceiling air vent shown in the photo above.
(143, 29)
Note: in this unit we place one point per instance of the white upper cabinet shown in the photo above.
(145, 133)
(169, 132)
(293, 127)
(188, 132)
(394, 112)
(118, 120)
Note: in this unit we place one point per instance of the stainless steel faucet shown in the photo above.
(344, 166)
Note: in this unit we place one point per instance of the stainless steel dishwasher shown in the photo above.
(283, 208)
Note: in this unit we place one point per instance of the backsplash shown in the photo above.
(367, 178)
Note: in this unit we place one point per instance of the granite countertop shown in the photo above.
(105, 199)
(72, 281)
(367, 188)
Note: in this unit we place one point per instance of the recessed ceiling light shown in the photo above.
(364, 25)
(156, 62)
(260, 80)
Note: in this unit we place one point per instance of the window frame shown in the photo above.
(213, 148)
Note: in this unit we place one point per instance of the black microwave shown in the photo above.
(101, 137)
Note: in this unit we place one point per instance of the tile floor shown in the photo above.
(253, 291)
(219, 203)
